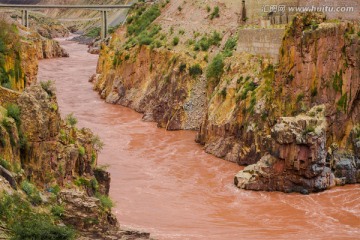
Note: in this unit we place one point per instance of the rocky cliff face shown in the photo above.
(318, 66)
(20, 50)
(151, 82)
(58, 162)
(50, 184)
(245, 104)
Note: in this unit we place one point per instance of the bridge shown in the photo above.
(102, 8)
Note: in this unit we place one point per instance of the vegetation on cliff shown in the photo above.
(41, 162)
(11, 74)
(192, 79)
(51, 187)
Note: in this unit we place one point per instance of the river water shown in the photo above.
(164, 183)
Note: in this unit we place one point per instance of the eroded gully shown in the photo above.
(163, 182)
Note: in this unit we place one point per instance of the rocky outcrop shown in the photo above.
(87, 215)
(51, 49)
(20, 52)
(296, 160)
(36, 145)
(152, 82)
(7, 95)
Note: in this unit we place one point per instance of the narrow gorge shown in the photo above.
(192, 120)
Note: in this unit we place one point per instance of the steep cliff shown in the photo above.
(319, 65)
(52, 166)
(20, 50)
(299, 119)
(50, 184)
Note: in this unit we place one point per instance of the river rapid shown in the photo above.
(164, 183)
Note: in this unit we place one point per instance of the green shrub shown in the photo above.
(113, 29)
(215, 38)
(215, 69)
(105, 201)
(81, 151)
(5, 164)
(8, 126)
(39, 227)
(71, 120)
(97, 143)
(314, 92)
(145, 40)
(93, 32)
(55, 189)
(13, 111)
(342, 103)
(203, 44)
(94, 184)
(58, 210)
(48, 86)
(175, 41)
(32, 193)
(309, 129)
(223, 92)
(338, 81)
(195, 70)
(182, 67)
(206, 41)
(230, 46)
(81, 181)
(251, 108)
(300, 97)
(215, 13)
(248, 87)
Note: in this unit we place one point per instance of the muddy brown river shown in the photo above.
(164, 183)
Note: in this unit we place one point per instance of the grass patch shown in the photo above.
(94, 32)
(300, 97)
(48, 86)
(71, 120)
(82, 151)
(141, 19)
(337, 82)
(26, 224)
(342, 103)
(32, 192)
(215, 13)
(182, 67)
(230, 45)
(175, 41)
(309, 129)
(14, 112)
(105, 201)
(207, 41)
(5, 164)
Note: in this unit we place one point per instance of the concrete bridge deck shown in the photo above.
(96, 7)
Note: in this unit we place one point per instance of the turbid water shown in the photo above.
(164, 183)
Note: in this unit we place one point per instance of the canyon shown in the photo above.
(266, 102)
(158, 186)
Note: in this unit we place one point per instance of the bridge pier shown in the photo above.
(25, 17)
(104, 24)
